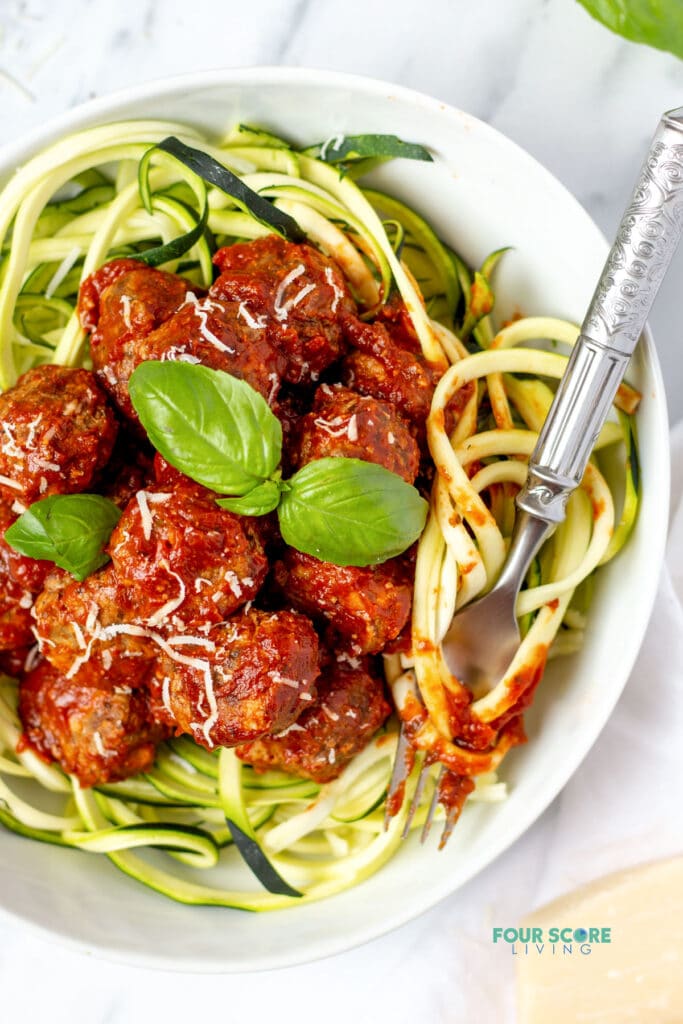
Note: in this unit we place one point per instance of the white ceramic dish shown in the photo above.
(482, 192)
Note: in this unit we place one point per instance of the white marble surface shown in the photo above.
(585, 104)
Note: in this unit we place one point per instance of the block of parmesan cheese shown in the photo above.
(636, 976)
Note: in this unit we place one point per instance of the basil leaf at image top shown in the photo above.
(657, 23)
(70, 530)
(350, 512)
(214, 173)
(355, 147)
(257, 502)
(211, 426)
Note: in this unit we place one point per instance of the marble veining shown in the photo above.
(585, 104)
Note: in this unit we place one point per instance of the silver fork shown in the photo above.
(484, 636)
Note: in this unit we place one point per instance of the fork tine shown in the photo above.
(417, 797)
(404, 760)
(432, 806)
(455, 797)
(452, 816)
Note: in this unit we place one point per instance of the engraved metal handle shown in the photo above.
(646, 241)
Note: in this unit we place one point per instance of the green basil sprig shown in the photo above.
(211, 426)
(356, 147)
(68, 529)
(350, 512)
(643, 21)
(261, 500)
(220, 432)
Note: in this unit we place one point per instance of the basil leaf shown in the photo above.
(653, 22)
(211, 426)
(258, 502)
(350, 512)
(355, 147)
(68, 529)
(251, 202)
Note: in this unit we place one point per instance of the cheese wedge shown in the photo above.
(637, 976)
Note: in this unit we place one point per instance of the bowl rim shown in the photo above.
(12, 154)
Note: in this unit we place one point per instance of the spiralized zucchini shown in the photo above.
(78, 204)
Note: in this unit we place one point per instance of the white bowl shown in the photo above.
(482, 192)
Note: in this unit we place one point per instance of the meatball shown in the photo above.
(92, 623)
(156, 295)
(353, 426)
(297, 293)
(365, 608)
(254, 675)
(214, 333)
(120, 303)
(57, 433)
(15, 607)
(379, 367)
(20, 579)
(186, 562)
(95, 731)
(351, 707)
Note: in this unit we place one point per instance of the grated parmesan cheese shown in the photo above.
(10, 447)
(294, 727)
(202, 309)
(99, 745)
(338, 293)
(274, 384)
(195, 641)
(166, 694)
(278, 678)
(337, 427)
(257, 323)
(125, 308)
(145, 514)
(171, 605)
(32, 658)
(177, 354)
(351, 661)
(51, 467)
(5, 480)
(78, 632)
(334, 142)
(233, 582)
(282, 308)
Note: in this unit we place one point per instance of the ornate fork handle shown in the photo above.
(646, 241)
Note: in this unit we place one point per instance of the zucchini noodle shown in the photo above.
(78, 204)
